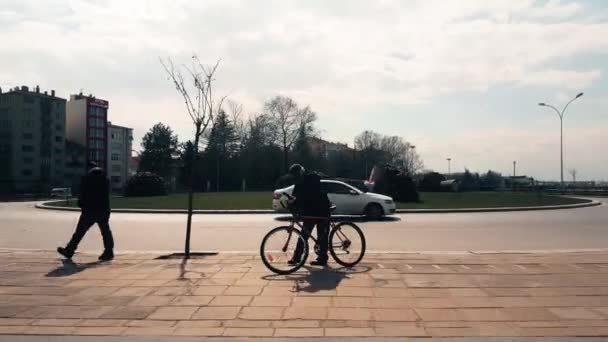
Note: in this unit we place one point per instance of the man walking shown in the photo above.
(94, 201)
(311, 202)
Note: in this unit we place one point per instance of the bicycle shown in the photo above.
(279, 244)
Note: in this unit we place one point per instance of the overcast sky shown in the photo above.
(459, 79)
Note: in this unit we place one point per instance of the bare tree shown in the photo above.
(412, 163)
(201, 106)
(573, 173)
(288, 119)
(368, 143)
(235, 112)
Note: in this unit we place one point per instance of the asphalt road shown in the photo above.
(23, 226)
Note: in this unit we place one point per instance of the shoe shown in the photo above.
(319, 262)
(106, 256)
(293, 262)
(65, 252)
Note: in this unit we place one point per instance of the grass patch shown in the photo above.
(263, 200)
(450, 200)
(202, 200)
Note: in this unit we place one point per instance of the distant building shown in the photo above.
(75, 165)
(326, 148)
(133, 165)
(119, 154)
(32, 140)
(87, 125)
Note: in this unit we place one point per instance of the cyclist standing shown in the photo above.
(312, 202)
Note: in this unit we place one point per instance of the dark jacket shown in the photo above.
(94, 192)
(311, 200)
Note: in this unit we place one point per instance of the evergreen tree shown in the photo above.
(222, 148)
(159, 147)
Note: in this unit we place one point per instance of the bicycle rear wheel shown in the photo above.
(347, 244)
(279, 247)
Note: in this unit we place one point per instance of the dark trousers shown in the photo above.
(322, 238)
(85, 222)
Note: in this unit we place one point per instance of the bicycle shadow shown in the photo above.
(318, 279)
(69, 267)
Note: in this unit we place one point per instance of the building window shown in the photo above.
(27, 148)
(59, 127)
(5, 148)
(6, 124)
(115, 156)
(58, 139)
(28, 136)
(115, 179)
(58, 151)
(28, 123)
(116, 168)
(27, 160)
(26, 172)
(116, 146)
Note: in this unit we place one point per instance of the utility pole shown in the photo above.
(514, 163)
(561, 134)
(449, 166)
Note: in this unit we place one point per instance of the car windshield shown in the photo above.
(337, 188)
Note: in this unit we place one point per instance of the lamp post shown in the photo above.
(449, 166)
(561, 133)
(409, 159)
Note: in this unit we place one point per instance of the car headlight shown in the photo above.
(388, 201)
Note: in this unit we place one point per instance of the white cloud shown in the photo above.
(337, 56)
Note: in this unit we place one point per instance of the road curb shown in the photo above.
(49, 206)
(370, 252)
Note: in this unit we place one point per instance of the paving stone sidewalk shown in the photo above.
(413, 295)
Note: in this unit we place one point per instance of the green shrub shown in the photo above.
(431, 181)
(145, 184)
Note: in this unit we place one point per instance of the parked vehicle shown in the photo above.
(347, 199)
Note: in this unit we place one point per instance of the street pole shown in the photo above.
(449, 166)
(514, 163)
(561, 149)
(409, 159)
(561, 134)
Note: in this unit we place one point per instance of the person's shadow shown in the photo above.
(318, 279)
(69, 267)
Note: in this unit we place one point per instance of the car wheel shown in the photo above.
(374, 211)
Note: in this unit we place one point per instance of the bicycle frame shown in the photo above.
(297, 220)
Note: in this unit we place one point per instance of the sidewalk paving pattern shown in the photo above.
(405, 294)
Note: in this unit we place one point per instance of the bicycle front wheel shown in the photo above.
(347, 244)
(279, 248)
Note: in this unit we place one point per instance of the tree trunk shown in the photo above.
(191, 192)
(217, 173)
(285, 152)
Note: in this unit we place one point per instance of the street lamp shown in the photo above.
(561, 133)
(408, 162)
(449, 166)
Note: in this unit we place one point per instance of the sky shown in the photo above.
(458, 79)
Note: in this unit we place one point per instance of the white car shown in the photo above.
(347, 199)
